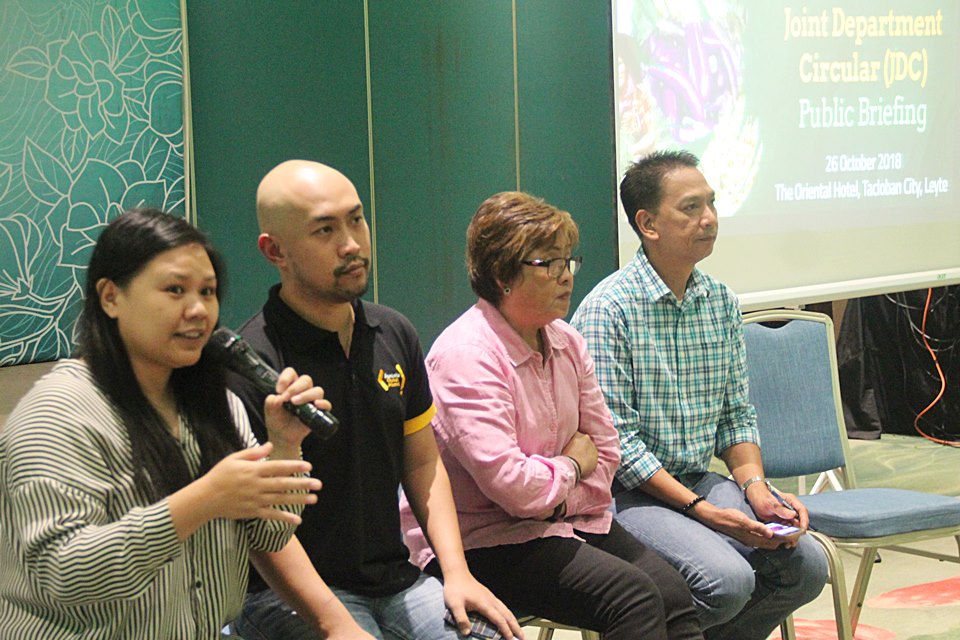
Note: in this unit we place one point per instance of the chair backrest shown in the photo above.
(796, 390)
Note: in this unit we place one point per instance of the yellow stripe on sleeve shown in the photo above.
(413, 425)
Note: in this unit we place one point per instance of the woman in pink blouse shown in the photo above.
(529, 445)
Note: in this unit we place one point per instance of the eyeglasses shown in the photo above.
(556, 266)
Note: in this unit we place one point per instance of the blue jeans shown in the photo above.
(413, 614)
(740, 593)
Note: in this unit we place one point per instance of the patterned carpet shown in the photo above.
(909, 598)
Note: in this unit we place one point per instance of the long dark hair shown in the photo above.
(124, 248)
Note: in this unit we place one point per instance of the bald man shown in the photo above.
(368, 359)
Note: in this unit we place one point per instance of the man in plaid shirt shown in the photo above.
(669, 353)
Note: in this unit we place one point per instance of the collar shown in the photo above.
(517, 349)
(309, 336)
(653, 286)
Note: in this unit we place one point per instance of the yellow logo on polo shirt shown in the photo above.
(392, 380)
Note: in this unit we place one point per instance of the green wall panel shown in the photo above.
(566, 115)
(270, 81)
(278, 80)
(443, 122)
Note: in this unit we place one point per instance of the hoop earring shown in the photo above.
(506, 291)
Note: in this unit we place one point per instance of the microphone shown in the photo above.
(234, 352)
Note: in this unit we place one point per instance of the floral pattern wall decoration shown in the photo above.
(91, 123)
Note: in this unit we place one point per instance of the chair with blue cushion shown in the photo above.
(796, 390)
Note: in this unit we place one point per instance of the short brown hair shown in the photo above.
(505, 229)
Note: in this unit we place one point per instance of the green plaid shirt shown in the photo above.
(673, 373)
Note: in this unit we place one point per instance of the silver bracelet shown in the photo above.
(750, 481)
(576, 468)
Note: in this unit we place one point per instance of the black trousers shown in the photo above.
(612, 584)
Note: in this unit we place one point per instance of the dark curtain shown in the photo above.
(887, 376)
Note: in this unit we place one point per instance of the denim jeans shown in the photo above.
(413, 614)
(740, 593)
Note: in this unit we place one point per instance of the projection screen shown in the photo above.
(828, 130)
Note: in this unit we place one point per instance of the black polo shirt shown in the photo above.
(352, 533)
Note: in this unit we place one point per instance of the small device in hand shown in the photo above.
(785, 531)
(480, 627)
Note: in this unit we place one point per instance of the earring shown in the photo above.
(506, 291)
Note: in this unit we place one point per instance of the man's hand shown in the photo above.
(353, 633)
(292, 576)
(738, 526)
(333, 620)
(463, 593)
(777, 507)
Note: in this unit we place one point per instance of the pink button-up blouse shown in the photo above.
(504, 414)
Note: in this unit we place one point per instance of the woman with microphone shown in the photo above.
(131, 487)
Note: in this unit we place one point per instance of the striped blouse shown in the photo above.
(81, 554)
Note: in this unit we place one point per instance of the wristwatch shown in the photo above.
(773, 491)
